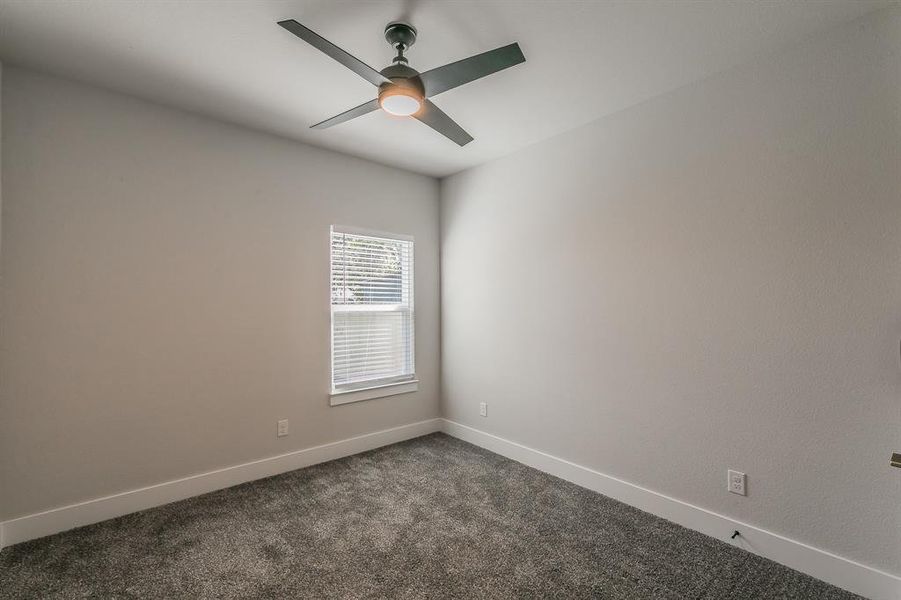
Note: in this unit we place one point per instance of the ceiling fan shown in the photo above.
(404, 91)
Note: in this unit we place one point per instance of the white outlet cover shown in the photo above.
(735, 482)
(483, 409)
(282, 428)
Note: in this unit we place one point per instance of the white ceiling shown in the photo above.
(229, 60)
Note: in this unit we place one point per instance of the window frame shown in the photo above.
(385, 386)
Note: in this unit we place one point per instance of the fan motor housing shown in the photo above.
(399, 71)
(402, 76)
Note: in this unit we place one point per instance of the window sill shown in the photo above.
(379, 391)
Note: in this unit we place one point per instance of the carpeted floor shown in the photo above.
(429, 518)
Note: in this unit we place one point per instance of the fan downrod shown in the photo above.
(401, 35)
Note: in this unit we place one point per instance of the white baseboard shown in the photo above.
(92, 511)
(841, 572)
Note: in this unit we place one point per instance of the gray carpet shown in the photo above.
(429, 518)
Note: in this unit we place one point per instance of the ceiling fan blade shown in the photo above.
(320, 43)
(435, 118)
(347, 115)
(469, 69)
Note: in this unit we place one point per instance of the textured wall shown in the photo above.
(709, 280)
(165, 294)
(2, 483)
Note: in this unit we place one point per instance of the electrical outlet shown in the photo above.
(736, 482)
(483, 409)
(283, 428)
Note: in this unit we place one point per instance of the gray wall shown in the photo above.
(709, 280)
(1, 253)
(165, 292)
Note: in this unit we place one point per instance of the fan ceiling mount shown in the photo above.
(404, 91)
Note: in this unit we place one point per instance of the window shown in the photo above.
(372, 314)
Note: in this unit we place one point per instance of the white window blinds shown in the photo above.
(372, 309)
